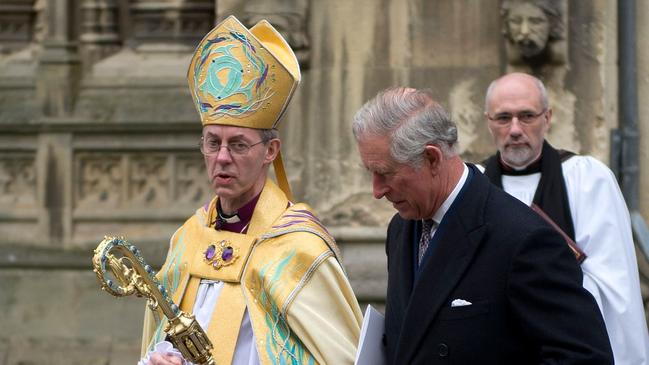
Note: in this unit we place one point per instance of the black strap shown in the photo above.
(551, 194)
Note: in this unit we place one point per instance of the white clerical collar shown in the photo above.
(229, 219)
(439, 214)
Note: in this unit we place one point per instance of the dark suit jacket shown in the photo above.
(525, 286)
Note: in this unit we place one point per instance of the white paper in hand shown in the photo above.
(370, 345)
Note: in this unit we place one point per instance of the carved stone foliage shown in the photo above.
(100, 180)
(535, 31)
(149, 179)
(129, 180)
(17, 180)
(191, 183)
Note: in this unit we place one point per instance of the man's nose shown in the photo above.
(224, 154)
(379, 188)
(515, 128)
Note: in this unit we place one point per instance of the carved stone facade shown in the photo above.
(98, 133)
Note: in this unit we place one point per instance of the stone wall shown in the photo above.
(98, 134)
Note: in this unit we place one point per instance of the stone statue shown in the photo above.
(288, 17)
(534, 31)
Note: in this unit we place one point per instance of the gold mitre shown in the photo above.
(243, 77)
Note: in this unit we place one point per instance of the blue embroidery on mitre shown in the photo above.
(233, 84)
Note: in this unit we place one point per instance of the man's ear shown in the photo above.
(486, 118)
(433, 156)
(548, 122)
(272, 150)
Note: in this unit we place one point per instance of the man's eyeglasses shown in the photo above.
(524, 117)
(212, 147)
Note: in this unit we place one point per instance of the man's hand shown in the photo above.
(165, 359)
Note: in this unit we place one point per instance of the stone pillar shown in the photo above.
(99, 29)
(40, 23)
(59, 68)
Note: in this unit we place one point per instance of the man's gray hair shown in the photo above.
(543, 93)
(412, 119)
(268, 134)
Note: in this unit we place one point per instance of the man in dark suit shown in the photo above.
(475, 276)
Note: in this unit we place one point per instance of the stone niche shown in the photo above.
(17, 24)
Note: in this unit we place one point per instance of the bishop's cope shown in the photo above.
(261, 274)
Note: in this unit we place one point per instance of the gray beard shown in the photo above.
(518, 157)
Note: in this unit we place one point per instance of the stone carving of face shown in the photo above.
(528, 28)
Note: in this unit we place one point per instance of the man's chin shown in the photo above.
(518, 163)
(225, 192)
(407, 215)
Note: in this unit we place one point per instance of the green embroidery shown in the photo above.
(174, 263)
(281, 345)
(170, 281)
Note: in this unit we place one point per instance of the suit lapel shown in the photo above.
(404, 254)
(455, 248)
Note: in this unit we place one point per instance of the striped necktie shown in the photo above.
(427, 226)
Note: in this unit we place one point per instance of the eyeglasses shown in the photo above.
(524, 117)
(212, 147)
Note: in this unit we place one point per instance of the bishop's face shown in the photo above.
(236, 159)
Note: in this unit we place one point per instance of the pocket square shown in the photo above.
(460, 303)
